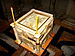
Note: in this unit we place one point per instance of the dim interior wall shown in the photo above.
(61, 6)
(70, 14)
(19, 6)
(58, 7)
(71, 8)
(45, 5)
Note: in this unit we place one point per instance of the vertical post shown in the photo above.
(13, 16)
(14, 26)
(37, 22)
(37, 41)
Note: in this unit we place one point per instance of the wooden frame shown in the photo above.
(50, 18)
(44, 27)
(44, 46)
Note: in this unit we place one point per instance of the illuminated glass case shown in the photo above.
(25, 28)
